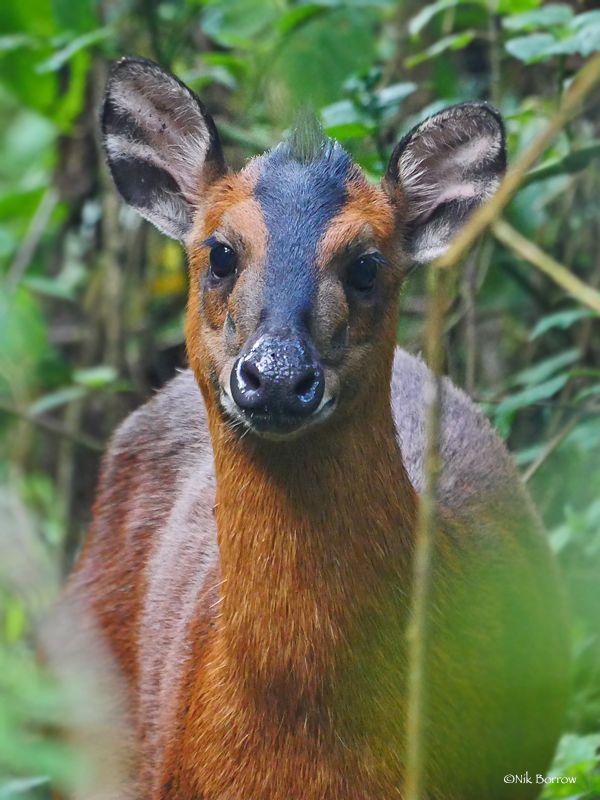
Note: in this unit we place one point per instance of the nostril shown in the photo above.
(247, 386)
(306, 387)
(248, 377)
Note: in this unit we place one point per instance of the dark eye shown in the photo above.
(362, 273)
(223, 261)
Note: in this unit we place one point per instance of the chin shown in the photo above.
(272, 426)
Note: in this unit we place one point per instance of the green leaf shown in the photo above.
(585, 42)
(17, 72)
(22, 334)
(349, 131)
(51, 287)
(456, 41)
(574, 161)
(78, 16)
(394, 94)
(526, 398)
(298, 16)
(237, 66)
(34, 17)
(8, 242)
(562, 319)
(15, 41)
(550, 16)
(585, 19)
(524, 457)
(342, 113)
(357, 3)
(236, 21)
(516, 6)
(418, 22)
(60, 58)
(96, 377)
(257, 138)
(56, 399)
(313, 63)
(544, 369)
(27, 789)
(576, 758)
(172, 333)
(530, 48)
(589, 391)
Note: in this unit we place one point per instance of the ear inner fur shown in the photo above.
(443, 169)
(162, 146)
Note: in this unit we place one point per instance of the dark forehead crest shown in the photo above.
(302, 186)
(306, 175)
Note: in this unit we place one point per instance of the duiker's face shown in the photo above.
(294, 286)
(296, 262)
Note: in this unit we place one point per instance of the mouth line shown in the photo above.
(266, 425)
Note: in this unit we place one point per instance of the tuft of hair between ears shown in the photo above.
(307, 141)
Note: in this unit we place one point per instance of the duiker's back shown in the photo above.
(250, 563)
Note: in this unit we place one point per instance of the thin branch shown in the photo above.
(53, 427)
(552, 445)
(30, 243)
(526, 284)
(572, 162)
(526, 249)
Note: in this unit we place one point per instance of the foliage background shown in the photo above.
(92, 299)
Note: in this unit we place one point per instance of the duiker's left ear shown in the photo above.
(162, 146)
(441, 171)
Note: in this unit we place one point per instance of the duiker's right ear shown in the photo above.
(162, 146)
(442, 171)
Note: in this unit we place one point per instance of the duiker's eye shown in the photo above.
(362, 273)
(223, 261)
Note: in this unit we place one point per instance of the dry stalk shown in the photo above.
(524, 248)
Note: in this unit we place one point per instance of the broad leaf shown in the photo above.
(549, 16)
(96, 377)
(456, 41)
(529, 396)
(427, 13)
(562, 319)
(531, 48)
(545, 369)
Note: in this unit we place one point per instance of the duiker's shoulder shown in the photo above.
(476, 463)
(171, 425)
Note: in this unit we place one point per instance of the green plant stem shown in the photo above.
(30, 243)
(572, 162)
(418, 629)
(552, 445)
(53, 427)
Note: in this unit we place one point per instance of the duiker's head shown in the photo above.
(296, 261)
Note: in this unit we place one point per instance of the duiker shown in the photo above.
(250, 560)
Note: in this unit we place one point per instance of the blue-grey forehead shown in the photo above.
(298, 202)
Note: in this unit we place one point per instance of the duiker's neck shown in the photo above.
(312, 534)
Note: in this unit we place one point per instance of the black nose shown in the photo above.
(278, 375)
